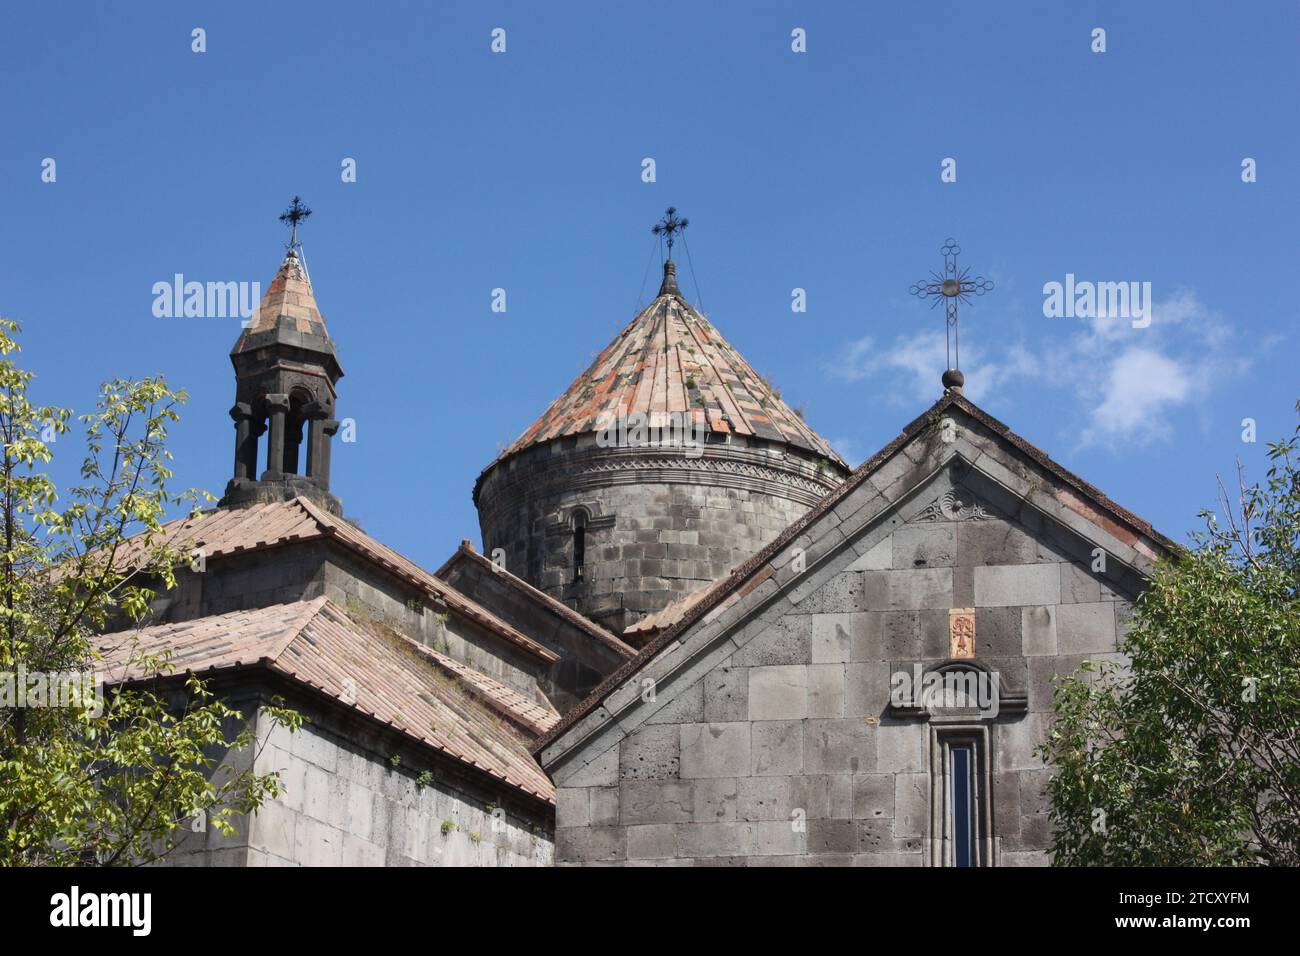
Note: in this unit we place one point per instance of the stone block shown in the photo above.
(1038, 628)
(906, 590)
(1017, 585)
(911, 804)
(647, 801)
(830, 638)
(1085, 628)
(651, 753)
(873, 796)
(779, 838)
(789, 641)
(604, 810)
(772, 798)
(998, 632)
(879, 557)
(715, 800)
(726, 694)
(996, 542)
(1078, 585)
(925, 546)
(704, 840)
(715, 750)
(826, 684)
(572, 807)
(778, 692)
(687, 706)
(602, 771)
(590, 844)
(832, 836)
(866, 691)
(1016, 742)
(900, 747)
(653, 841)
(839, 747)
(776, 747)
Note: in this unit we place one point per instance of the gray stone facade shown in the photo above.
(346, 802)
(764, 733)
(587, 654)
(659, 523)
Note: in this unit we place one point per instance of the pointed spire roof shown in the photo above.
(287, 314)
(670, 359)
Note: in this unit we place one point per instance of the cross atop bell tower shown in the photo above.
(285, 376)
(295, 214)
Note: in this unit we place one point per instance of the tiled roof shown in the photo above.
(288, 304)
(671, 359)
(1078, 495)
(537, 718)
(360, 664)
(661, 620)
(543, 600)
(229, 531)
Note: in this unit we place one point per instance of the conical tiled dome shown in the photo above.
(287, 314)
(670, 360)
(620, 526)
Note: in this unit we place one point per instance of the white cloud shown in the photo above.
(1141, 386)
(1126, 381)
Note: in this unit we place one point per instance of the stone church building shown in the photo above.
(692, 635)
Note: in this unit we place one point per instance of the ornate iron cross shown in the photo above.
(669, 226)
(950, 288)
(295, 214)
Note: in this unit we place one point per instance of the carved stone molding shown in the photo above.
(949, 507)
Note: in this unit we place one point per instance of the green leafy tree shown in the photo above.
(112, 778)
(1191, 756)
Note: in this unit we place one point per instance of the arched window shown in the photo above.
(579, 543)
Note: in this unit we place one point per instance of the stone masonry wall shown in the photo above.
(778, 746)
(584, 660)
(661, 525)
(347, 806)
(345, 803)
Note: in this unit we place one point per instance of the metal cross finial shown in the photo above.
(951, 287)
(669, 226)
(295, 214)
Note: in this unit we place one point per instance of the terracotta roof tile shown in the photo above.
(226, 531)
(671, 359)
(289, 295)
(362, 665)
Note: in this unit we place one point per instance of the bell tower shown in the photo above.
(286, 371)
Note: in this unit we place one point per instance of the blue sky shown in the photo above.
(522, 171)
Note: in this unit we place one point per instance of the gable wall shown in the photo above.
(584, 660)
(774, 743)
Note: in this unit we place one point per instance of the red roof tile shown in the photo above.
(671, 359)
(228, 531)
(362, 665)
(289, 295)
